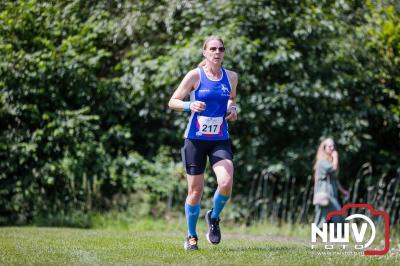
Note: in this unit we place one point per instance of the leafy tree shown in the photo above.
(84, 89)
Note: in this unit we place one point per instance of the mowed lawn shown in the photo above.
(164, 246)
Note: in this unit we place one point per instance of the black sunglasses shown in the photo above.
(220, 49)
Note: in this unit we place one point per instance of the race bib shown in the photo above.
(209, 125)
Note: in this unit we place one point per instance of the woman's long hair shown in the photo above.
(322, 155)
(213, 37)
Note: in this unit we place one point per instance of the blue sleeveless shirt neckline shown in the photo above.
(211, 123)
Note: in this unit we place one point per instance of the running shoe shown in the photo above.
(191, 243)
(213, 231)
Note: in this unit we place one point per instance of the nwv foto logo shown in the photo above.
(340, 232)
(338, 235)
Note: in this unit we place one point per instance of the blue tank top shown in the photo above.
(211, 123)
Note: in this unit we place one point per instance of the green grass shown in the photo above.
(150, 242)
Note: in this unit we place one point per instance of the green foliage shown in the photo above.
(84, 89)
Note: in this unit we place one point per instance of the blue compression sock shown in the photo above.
(219, 203)
(192, 214)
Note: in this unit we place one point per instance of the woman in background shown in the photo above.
(326, 168)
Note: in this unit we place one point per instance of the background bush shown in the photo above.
(84, 90)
